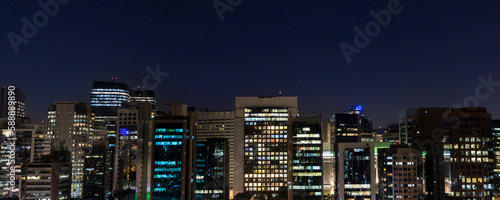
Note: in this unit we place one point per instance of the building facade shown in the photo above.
(19, 103)
(262, 158)
(70, 124)
(218, 124)
(307, 162)
(471, 156)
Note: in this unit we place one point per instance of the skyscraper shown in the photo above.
(212, 169)
(20, 102)
(130, 115)
(425, 130)
(398, 173)
(496, 152)
(167, 157)
(105, 99)
(356, 176)
(215, 125)
(471, 155)
(306, 172)
(70, 123)
(262, 145)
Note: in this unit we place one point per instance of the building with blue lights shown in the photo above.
(167, 157)
(105, 99)
(174, 159)
(130, 116)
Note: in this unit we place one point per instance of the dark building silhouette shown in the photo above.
(307, 158)
(94, 179)
(212, 169)
(20, 102)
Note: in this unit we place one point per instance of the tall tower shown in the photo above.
(70, 124)
(496, 152)
(167, 156)
(424, 129)
(306, 172)
(262, 158)
(216, 126)
(105, 99)
(471, 153)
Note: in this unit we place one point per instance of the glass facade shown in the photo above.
(105, 99)
(94, 174)
(307, 160)
(212, 181)
(356, 176)
(167, 175)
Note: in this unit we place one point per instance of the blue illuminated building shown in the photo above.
(174, 159)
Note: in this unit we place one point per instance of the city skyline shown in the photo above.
(439, 50)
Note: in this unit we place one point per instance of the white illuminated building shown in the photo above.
(70, 125)
(262, 144)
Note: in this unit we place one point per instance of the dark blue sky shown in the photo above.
(430, 54)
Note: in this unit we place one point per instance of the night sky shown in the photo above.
(430, 54)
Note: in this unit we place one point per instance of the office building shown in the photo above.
(130, 115)
(212, 169)
(328, 162)
(167, 156)
(471, 153)
(105, 99)
(142, 95)
(218, 124)
(425, 130)
(262, 149)
(398, 173)
(19, 103)
(70, 124)
(356, 174)
(49, 179)
(31, 144)
(307, 159)
(496, 152)
(95, 179)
